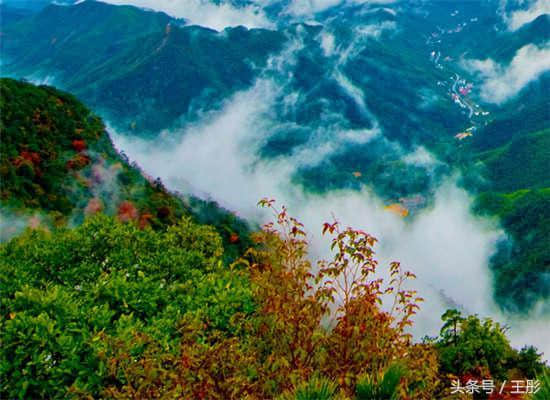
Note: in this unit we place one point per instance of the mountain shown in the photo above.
(98, 51)
(425, 122)
(404, 95)
(58, 166)
(143, 302)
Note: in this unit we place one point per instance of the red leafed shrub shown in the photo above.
(26, 157)
(145, 220)
(31, 156)
(127, 211)
(77, 162)
(79, 145)
(94, 206)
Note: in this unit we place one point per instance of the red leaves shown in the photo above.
(344, 292)
(30, 158)
(78, 162)
(94, 206)
(329, 227)
(79, 145)
(127, 211)
(234, 238)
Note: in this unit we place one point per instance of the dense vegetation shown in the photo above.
(124, 306)
(119, 290)
(144, 69)
(514, 152)
(114, 311)
(522, 263)
(59, 165)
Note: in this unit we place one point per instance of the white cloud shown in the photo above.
(218, 157)
(446, 246)
(327, 43)
(310, 7)
(500, 83)
(206, 13)
(421, 157)
(518, 18)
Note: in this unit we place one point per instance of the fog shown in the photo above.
(532, 10)
(205, 12)
(502, 82)
(445, 245)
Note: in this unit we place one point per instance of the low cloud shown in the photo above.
(219, 157)
(445, 245)
(500, 83)
(206, 13)
(311, 7)
(516, 19)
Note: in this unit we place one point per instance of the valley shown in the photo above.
(419, 120)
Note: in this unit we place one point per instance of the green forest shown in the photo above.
(124, 290)
(58, 163)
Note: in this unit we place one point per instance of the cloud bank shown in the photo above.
(535, 9)
(205, 13)
(500, 83)
(223, 14)
(218, 156)
(310, 7)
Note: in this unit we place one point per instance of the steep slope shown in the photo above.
(141, 67)
(59, 165)
(385, 97)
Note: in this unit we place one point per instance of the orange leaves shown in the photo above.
(145, 220)
(94, 206)
(325, 321)
(234, 238)
(344, 292)
(127, 211)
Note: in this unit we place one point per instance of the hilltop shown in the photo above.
(58, 165)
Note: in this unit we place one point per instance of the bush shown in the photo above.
(73, 297)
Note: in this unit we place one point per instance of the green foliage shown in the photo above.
(382, 387)
(285, 346)
(57, 159)
(71, 298)
(544, 392)
(38, 128)
(478, 348)
(315, 389)
(145, 69)
(529, 361)
(523, 261)
(521, 163)
(113, 311)
(467, 344)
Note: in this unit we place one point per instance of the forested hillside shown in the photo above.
(144, 69)
(128, 306)
(58, 166)
(112, 310)
(137, 136)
